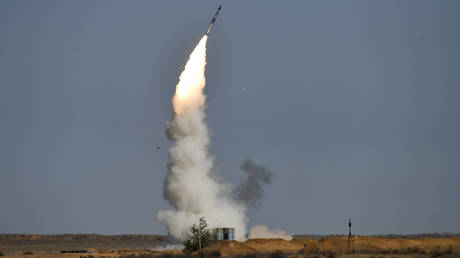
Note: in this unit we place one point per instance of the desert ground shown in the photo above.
(301, 246)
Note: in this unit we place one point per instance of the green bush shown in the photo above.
(28, 253)
(1, 253)
(193, 239)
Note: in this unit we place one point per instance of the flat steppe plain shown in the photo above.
(428, 245)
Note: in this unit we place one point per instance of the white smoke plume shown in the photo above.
(189, 186)
(168, 247)
(262, 231)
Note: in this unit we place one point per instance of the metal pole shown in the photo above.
(199, 237)
(349, 238)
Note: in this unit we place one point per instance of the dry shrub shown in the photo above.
(438, 253)
(328, 253)
(247, 256)
(277, 254)
(215, 254)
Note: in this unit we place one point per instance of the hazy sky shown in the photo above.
(354, 105)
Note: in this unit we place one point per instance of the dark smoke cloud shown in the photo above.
(251, 190)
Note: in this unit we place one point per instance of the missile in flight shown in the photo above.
(213, 20)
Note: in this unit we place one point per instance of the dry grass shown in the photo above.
(364, 246)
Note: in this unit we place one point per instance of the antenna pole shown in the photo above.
(350, 246)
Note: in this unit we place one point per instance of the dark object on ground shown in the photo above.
(139, 256)
(277, 254)
(17, 244)
(215, 254)
(74, 252)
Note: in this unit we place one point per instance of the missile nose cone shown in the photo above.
(213, 20)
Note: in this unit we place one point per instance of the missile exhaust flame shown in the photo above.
(189, 90)
(190, 187)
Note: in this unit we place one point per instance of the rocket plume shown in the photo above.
(190, 187)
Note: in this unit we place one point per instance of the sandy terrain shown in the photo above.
(141, 245)
(338, 245)
(17, 244)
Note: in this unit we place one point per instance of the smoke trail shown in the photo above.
(262, 231)
(169, 247)
(250, 191)
(189, 186)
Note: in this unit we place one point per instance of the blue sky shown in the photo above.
(352, 104)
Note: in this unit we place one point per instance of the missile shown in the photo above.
(213, 20)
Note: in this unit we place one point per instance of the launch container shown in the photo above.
(224, 234)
